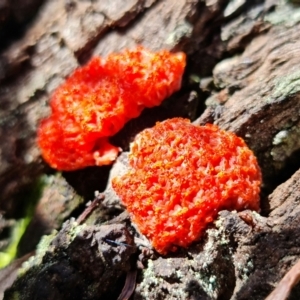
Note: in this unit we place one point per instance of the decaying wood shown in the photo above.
(77, 263)
(243, 62)
(259, 98)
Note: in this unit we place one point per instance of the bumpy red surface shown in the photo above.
(98, 99)
(181, 176)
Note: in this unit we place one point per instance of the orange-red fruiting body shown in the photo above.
(97, 100)
(181, 176)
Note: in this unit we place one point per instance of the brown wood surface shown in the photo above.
(243, 74)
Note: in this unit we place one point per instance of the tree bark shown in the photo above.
(242, 74)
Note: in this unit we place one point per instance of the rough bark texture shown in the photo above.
(259, 99)
(78, 263)
(243, 62)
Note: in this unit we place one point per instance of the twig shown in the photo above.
(283, 289)
(129, 285)
(96, 202)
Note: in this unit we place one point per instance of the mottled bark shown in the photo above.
(242, 74)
